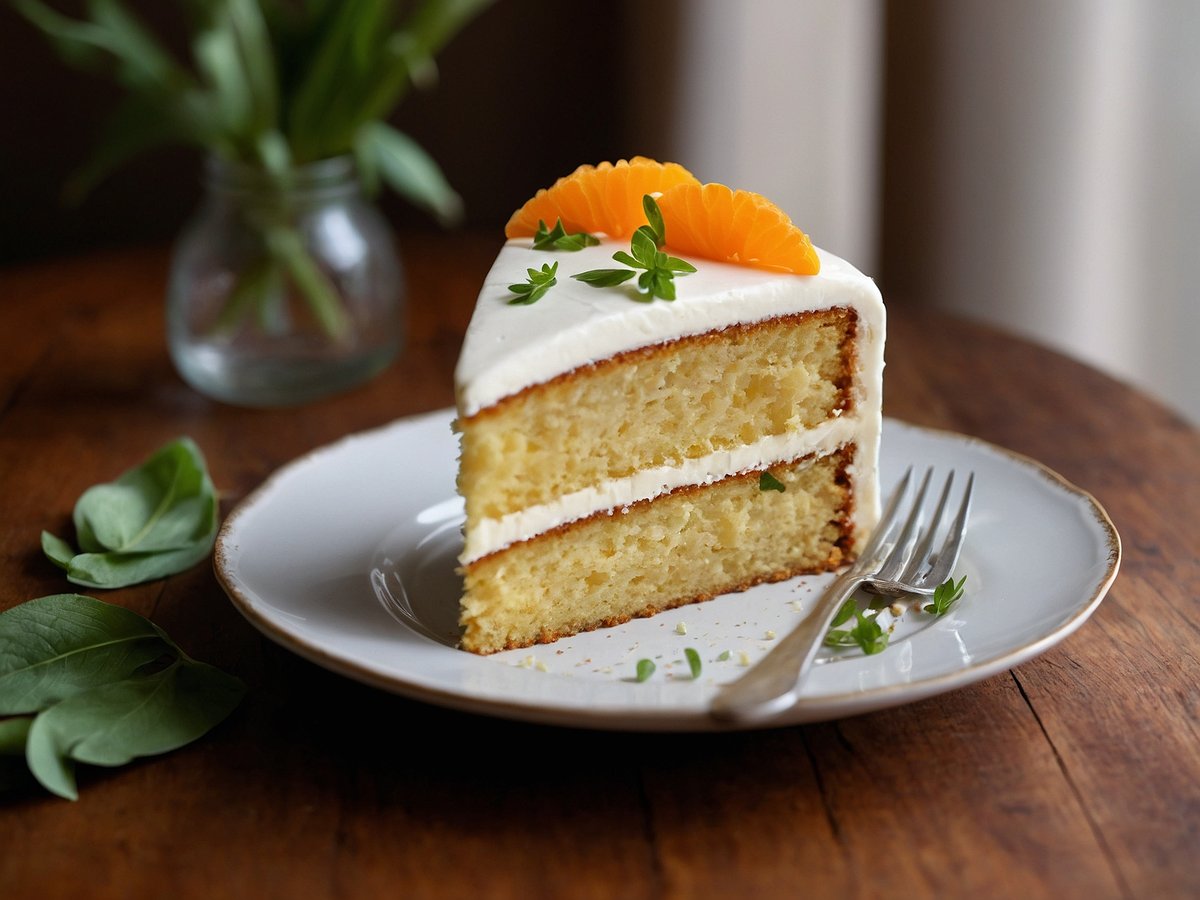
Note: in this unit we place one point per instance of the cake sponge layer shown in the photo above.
(657, 406)
(690, 545)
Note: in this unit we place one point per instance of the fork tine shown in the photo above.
(903, 547)
(921, 557)
(947, 557)
(887, 520)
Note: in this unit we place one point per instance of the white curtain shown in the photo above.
(1062, 194)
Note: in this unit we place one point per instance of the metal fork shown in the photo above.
(905, 565)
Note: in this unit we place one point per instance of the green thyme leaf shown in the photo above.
(657, 278)
(724, 655)
(645, 668)
(643, 248)
(768, 482)
(540, 281)
(153, 521)
(839, 637)
(944, 596)
(868, 634)
(654, 217)
(845, 613)
(557, 238)
(674, 264)
(693, 661)
(604, 277)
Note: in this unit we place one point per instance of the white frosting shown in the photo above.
(509, 348)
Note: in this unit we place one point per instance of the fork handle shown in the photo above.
(774, 683)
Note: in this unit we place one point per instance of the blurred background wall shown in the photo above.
(1033, 164)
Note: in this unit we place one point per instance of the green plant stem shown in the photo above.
(318, 291)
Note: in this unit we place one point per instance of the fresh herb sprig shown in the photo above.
(91, 682)
(867, 633)
(535, 288)
(156, 519)
(557, 238)
(945, 595)
(658, 270)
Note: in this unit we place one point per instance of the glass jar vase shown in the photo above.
(284, 287)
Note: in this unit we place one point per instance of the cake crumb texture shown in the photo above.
(691, 545)
(693, 396)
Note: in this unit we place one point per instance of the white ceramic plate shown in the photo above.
(346, 556)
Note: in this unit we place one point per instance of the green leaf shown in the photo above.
(111, 570)
(154, 520)
(539, 283)
(135, 126)
(768, 482)
(945, 595)
(256, 56)
(557, 238)
(845, 614)
(645, 668)
(658, 231)
(410, 171)
(839, 637)
(605, 277)
(57, 550)
(643, 248)
(166, 503)
(677, 265)
(693, 661)
(723, 656)
(54, 647)
(868, 634)
(112, 724)
(658, 276)
(314, 285)
(662, 284)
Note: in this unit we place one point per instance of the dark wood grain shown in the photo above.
(1074, 775)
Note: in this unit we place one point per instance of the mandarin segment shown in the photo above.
(604, 198)
(714, 222)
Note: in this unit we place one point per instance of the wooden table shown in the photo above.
(1074, 775)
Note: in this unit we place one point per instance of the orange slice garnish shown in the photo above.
(741, 227)
(605, 198)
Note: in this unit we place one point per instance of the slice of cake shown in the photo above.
(625, 453)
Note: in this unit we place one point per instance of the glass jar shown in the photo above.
(283, 288)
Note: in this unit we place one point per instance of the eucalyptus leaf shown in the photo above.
(57, 550)
(106, 684)
(156, 519)
(166, 503)
(109, 570)
(54, 647)
(112, 724)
